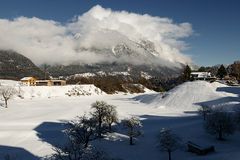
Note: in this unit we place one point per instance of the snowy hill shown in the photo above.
(186, 97)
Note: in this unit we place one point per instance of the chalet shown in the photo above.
(52, 82)
(28, 81)
(31, 81)
(201, 76)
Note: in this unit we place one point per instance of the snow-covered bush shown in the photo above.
(78, 91)
(133, 125)
(168, 141)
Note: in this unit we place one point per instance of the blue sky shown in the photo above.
(216, 23)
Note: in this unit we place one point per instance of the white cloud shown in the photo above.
(47, 41)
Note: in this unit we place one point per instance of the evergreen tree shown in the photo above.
(187, 73)
(221, 72)
(202, 69)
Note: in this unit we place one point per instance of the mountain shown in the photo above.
(15, 66)
(113, 47)
(108, 76)
(126, 62)
(115, 68)
(127, 55)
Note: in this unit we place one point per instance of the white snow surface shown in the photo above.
(85, 75)
(187, 97)
(30, 127)
(119, 73)
(52, 91)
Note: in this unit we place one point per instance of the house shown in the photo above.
(31, 81)
(28, 81)
(201, 76)
(52, 82)
(57, 82)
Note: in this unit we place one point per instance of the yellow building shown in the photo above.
(29, 81)
(51, 82)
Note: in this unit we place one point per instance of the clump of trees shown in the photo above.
(168, 141)
(220, 124)
(234, 70)
(104, 114)
(6, 93)
(222, 72)
(81, 131)
(133, 125)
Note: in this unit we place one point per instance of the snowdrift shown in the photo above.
(53, 91)
(189, 96)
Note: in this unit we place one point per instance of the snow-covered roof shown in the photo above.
(26, 78)
(201, 74)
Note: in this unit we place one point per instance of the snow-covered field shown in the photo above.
(31, 126)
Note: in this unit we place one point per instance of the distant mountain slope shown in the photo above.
(15, 66)
(110, 68)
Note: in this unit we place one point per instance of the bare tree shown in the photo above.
(220, 123)
(111, 116)
(133, 125)
(79, 133)
(6, 93)
(168, 141)
(71, 151)
(99, 113)
(204, 110)
(82, 130)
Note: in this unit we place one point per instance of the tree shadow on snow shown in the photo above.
(16, 153)
(147, 98)
(147, 143)
(52, 133)
(233, 90)
(230, 103)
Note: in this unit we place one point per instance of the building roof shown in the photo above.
(26, 78)
(51, 80)
(201, 74)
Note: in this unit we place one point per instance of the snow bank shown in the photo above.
(186, 97)
(53, 91)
